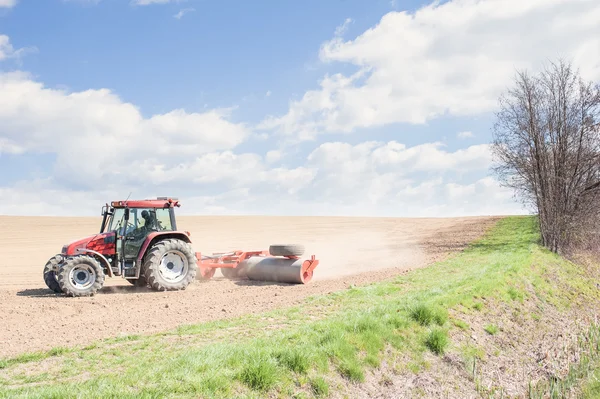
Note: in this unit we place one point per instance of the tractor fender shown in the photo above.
(159, 236)
(99, 255)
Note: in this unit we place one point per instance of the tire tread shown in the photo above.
(152, 262)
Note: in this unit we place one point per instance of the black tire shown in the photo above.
(50, 276)
(286, 250)
(161, 274)
(81, 276)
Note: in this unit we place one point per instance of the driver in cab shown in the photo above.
(148, 227)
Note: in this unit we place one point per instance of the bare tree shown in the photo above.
(546, 147)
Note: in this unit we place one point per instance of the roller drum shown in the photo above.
(281, 270)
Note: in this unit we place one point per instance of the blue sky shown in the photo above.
(268, 107)
(219, 54)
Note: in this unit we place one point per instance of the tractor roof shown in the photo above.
(160, 202)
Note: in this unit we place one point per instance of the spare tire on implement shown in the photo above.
(286, 250)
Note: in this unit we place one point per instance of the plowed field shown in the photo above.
(351, 251)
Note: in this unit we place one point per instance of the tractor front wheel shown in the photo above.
(50, 276)
(81, 276)
(170, 265)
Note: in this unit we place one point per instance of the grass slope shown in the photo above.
(307, 350)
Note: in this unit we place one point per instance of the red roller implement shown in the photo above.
(258, 265)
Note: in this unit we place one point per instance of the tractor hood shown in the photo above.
(103, 243)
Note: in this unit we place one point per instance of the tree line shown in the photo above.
(546, 146)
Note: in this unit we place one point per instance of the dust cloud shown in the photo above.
(351, 253)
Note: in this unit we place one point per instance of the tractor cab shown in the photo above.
(130, 223)
(126, 217)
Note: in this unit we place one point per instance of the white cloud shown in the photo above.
(392, 179)
(375, 172)
(105, 147)
(336, 178)
(451, 58)
(465, 135)
(182, 12)
(226, 168)
(397, 156)
(8, 51)
(274, 156)
(91, 129)
(340, 30)
(8, 3)
(8, 147)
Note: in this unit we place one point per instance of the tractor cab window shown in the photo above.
(150, 219)
(163, 217)
(117, 220)
(141, 221)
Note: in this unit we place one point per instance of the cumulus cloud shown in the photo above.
(376, 172)
(91, 129)
(336, 178)
(8, 51)
(228, 169)
(451, 58)
(274, 156)
(390, 178)
(103, 148)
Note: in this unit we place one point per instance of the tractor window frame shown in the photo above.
(117, 218)
(173, 219)
(165, 215)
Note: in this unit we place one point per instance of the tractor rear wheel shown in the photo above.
(170, 265)
(81, 276)
(50, 276)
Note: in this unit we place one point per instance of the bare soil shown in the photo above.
(351, 251)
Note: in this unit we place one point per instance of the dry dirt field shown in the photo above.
(351, 251)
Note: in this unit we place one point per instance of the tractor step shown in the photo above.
(129, 273)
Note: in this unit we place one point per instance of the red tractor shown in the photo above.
(139, 241)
